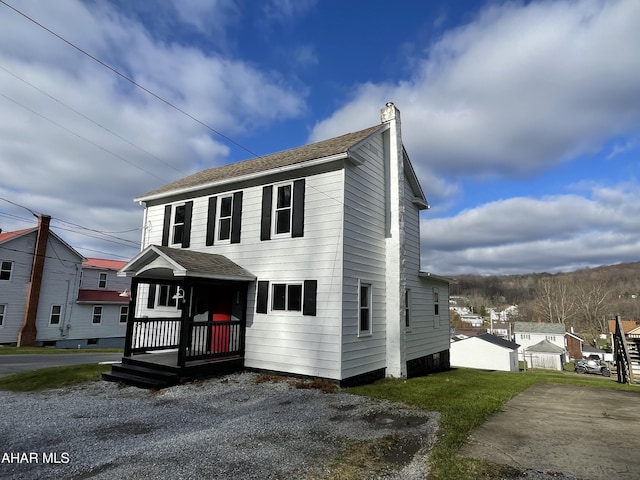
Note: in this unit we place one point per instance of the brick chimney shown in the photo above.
(27, 334)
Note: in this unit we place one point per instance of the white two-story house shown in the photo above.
(304, 262)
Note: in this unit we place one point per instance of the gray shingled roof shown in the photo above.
(545, 346)
(325, 148)
(190, 263)
(535, 327)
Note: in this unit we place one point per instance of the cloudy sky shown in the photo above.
(522, 119)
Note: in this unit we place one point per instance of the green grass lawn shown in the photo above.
(465, 398)
(54, 351)
(53, 377)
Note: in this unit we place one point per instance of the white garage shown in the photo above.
(485, 352)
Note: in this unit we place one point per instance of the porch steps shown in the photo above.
(140, 376)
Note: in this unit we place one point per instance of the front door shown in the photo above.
(221, 315)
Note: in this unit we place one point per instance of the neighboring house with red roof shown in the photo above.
(51, 295)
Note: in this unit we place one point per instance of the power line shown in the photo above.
(53, 122)
(130, 80)
(89, 119)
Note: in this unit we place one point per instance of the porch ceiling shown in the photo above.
(164, 262)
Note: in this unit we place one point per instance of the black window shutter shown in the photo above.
(211, 221)
(166, 226)
(186, 236)
(236, 217)
(265, 223)
(297, 228)
(263, 297)
(310, 295)
(151, 299)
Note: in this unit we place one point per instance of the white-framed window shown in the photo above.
(407, 308)
(166, 294)
(283, 208)
(286, 297)
(3, 312)
(525, 336)
(177, 224)
(550, 338)
(436, 301)
(5, 270)
(97, 315)
(56, 315)
(124, 313)
(224, 218)
(364, 308)
(102, 280)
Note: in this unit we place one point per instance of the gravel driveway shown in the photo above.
(228, 427)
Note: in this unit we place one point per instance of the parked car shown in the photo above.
(592, 366)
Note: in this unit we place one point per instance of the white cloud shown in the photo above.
(56, 161)
(558, 233)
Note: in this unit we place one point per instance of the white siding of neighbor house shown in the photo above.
(13, 293)
(427, 333)
(476, 353)
(284, 341)
(60, 282)
(364, 260)
(81, 321)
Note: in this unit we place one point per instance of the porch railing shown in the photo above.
(198, 341)
(150, 334)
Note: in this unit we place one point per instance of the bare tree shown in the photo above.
(592, 300)
(554, 299)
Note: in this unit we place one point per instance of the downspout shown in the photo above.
(28, 332)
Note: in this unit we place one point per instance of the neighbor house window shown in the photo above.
(3, 312)
(102, 280)
(407, 308)
(287, 297)
(550, 338)
(525, 336)
(56, 314)
(97, 315)
(364, 301)
(124, 313)
(5, 270)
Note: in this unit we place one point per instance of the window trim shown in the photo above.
(220, 218)
(95, 315)
(100, 279)
(4, 270)
(369, 331)
(287, 297)
(58, 315)
(174, 224)
(124, 312)
(3, 313)
(275, 210)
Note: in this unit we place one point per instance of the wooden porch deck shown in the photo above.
(155, 370)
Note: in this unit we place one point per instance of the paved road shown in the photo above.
(25, 363)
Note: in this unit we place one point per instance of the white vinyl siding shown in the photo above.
(364, 259)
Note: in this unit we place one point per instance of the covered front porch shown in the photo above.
(186, 319)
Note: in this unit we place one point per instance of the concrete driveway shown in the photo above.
(591, 433)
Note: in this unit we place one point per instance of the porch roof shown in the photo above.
(165, 262)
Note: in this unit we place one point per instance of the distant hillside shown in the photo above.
(619, 285)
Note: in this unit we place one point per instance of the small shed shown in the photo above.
(545, 355)
(485, 352)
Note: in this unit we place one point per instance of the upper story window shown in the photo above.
(5, 270)
(176, 229)
(102, 280)
(224, 219)
(282, 212)
(283, 207)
